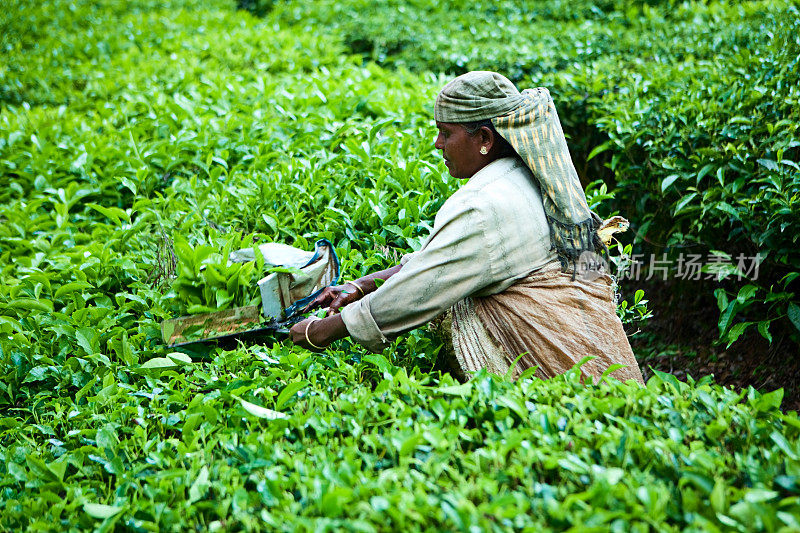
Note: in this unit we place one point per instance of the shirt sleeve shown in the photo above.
(452, 265)
(406, 258)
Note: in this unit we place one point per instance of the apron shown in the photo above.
(549, 321)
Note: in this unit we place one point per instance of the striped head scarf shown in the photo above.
(529, 122)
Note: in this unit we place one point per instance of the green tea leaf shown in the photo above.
(74, 286)
(179, 358)
(87, 339)
(289, 391)
(113, 213)
(464, 389)
(793, 311)
(30, 304)
(158, 363)
(200, 486)
(101, 511)
(261, 412)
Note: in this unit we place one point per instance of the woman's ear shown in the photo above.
(487, 137)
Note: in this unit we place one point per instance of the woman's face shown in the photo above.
(460, 150)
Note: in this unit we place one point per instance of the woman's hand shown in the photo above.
(316, 334)
(302, 332)
(335, 297)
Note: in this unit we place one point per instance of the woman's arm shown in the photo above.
(453, 263)
(368, 283)
(337, 296)
(322, 332)
(317, 333)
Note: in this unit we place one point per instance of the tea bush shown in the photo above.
(206, 281)
(128, 128)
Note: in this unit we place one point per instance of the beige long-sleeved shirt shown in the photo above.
(488, 234)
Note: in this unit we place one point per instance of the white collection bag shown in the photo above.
(285, 293)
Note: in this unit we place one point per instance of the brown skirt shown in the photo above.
(547, 320)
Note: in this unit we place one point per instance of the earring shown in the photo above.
(484, 150)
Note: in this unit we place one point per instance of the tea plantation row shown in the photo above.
(128, 125)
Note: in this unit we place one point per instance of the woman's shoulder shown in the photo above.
(498, 169)
(507, 181)
(504, 185)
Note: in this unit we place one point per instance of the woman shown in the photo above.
(503, 253)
